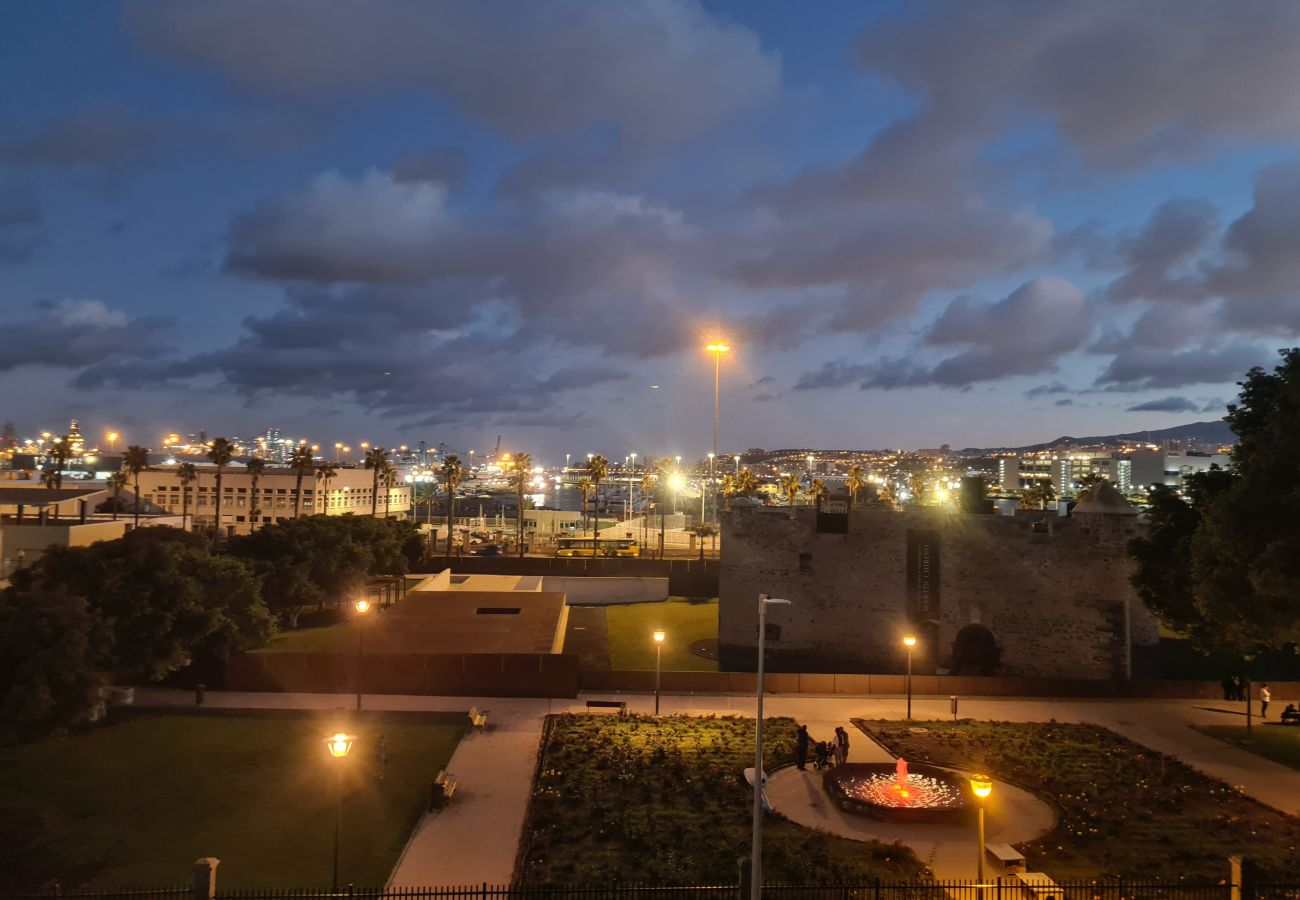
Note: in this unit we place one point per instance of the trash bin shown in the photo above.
(199, 691)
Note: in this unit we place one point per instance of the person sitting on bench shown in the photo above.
(1291, 714)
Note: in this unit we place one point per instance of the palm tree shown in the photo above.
(187, 474)
(60, 452)
(117, 481)
(728, 488)
(389, 478)
(301, 462)
(520, 478)
(452, 473)
(597, 469)
(790, 487)
(746, 483)
(255, 468)
(585, 486)
(817, 492)
(1041, 493)
(135, 460)
(325, 473)
(649, 485)
(857, 477)
(423, 494)
(376, 460)
(220, 454)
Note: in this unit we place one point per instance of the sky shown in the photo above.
(917, 223)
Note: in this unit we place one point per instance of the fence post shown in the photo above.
(1244, 875)
(205, 878)
(743, 880)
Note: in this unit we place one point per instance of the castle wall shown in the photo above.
(1057, 600)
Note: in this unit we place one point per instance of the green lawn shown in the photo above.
(136, 802)
(1276, 742)
(1122, 809)
(685, 620)
(663, 800)
(340, 637)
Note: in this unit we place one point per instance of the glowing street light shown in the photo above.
(659, 636)
(362, 607)
(981, 786)
(717, 349)
(909, 641)
(112, 441)
(339, 746)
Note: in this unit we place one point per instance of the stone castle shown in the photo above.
(1033, 595)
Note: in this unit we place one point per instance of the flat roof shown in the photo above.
(471, 622)
(43, 496)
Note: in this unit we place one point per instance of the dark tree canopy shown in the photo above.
(1223, 565)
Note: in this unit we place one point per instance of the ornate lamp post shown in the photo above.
(659, 636)
(339, 746)
(362, 607)
(909, 641)
(981, 786)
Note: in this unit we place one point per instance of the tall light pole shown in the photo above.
(981, 786)
(737, 463)
(339, 745)
(756, 849)
(713, 494)
(1249, 658)
(659, 649)
(362, 607)
(810, 467)
(717, 349)
(112, 441)
(909, 641)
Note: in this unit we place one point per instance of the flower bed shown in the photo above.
(1123, 809)
(662, 800)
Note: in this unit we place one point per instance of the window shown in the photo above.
(499, 610)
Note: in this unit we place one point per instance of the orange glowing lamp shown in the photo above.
(981, 785)
(340, 744)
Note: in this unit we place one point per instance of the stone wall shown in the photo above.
(1054, 595)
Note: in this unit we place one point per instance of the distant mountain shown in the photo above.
(1215, 432)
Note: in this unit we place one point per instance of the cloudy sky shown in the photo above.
(915, 223)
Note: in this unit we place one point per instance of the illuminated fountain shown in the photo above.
(882, 791)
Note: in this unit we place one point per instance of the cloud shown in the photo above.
(76, 333)
(447, 167)
(21, 233)
(1176, 231)
(1064, 401)
(765, 380)
(1044, 390)
(1141, 369)
(1168, 405)
(667, 69)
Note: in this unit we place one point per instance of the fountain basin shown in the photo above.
(920, 793)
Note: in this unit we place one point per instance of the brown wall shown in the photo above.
(686, 577)
(440, 674)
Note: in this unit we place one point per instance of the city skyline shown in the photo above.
(912, 224)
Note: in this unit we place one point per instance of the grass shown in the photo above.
(134, 803)
(1122, 809)
(633, 797)
(685, 619)
(337, 638)
(1276, 742)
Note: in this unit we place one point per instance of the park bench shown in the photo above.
(442, 790)
(477, 718)
(1037, 884)
(1005, 857)
(1291, 718)
(620, 705)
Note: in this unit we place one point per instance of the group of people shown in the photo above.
(1234, 689)
(825, 753)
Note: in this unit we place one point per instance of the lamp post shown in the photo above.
(339, 745)
(981, 786)
(659, 650)
(713, 494)
(112, 441)
(1249, 658)
(756, 850)
(362, 607)
(909, 641)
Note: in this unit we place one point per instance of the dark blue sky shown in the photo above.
(916, 223)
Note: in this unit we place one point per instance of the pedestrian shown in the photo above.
(1238, 691)
(1227, 687)
(1265, 695)
(801, 740)
(842, 741)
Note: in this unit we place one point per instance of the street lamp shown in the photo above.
(362, 606)
(713, 495)
(981, 786)
(112, 441)
(756, 850)
(1249, 658)
(339, 746)
(659, 650)
(717, 349)
(909, 641)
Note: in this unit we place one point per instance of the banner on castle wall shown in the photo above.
(923, 558)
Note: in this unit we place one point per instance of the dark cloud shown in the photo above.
(446, 167)
(765, 380)
(1064, 401)
(1177, 405)
(1141, 369)
(21, 231)
(76, 333)
(659, 70)
(765, 398)
(1176, 231)
(1044, 390)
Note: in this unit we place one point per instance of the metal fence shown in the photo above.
(1003, 889)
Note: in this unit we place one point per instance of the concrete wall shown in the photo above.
(598, 591)
(439, 581)
(1056, 602)
(686, 577)
(32, 540)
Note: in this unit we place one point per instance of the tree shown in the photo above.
(301, 462)
(220, 454)
(746, 483)
(728, 489)
(325, 473)
(649, 488)
(520, 478)
(817, 492)
(424, 493)
(60, 452)
(1086, 481)
(117, 481)
(389, 478)
(188, 475)
(376, 461)
(855, 481)
(135, 460)
(790, 487)
(1041, 493)
(597, 469)
(255, 467)
(452, 473)
(584, 485)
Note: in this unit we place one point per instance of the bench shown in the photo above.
(1291, 718)
(1037, 884)
(477, 718)
(620, 705)
(1007, 858)
(442, 790)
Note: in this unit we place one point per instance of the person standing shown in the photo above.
(1238, 691)
(1227, 687)
(801, 747)
(841, 746)
(1265, 695)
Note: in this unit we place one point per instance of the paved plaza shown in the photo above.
(476, 838)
